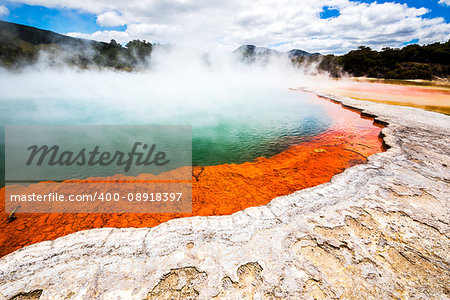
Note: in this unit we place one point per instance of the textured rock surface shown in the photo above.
(378, 230)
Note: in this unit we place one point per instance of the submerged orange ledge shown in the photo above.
(224, 189)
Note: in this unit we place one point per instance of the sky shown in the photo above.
(323, 26)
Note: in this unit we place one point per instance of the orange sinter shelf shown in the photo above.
(227, 188)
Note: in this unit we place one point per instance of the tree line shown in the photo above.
(22, 45)
(410, 62)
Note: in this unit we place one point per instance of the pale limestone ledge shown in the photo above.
(378, 230)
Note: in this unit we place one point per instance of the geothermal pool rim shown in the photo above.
(376, 230)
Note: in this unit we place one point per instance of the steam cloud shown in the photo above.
(180, 83)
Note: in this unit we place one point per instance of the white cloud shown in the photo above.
(292, 23)
(111, 19)
(444, 2)
(4, 10)
(106, 36)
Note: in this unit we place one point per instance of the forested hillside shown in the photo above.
(21, 45)
(411, 62)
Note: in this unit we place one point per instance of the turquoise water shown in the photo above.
(227, 128)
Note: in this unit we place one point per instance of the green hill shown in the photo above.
(410, 62)
(20, 45)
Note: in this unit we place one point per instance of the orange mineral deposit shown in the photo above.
(223, 189)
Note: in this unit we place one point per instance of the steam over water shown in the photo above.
(238, 112)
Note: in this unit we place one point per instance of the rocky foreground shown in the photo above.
(378, 230)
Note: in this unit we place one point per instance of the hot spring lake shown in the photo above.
(232, 127)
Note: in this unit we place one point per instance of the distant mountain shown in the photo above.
(21, 45)
(251, 53)
(251, 49)
(35, 36)
(300, 53)
(428, 62)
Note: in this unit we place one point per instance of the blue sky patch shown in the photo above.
(435, 9)
(414, 41)
(329, 12)
(58, 20)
